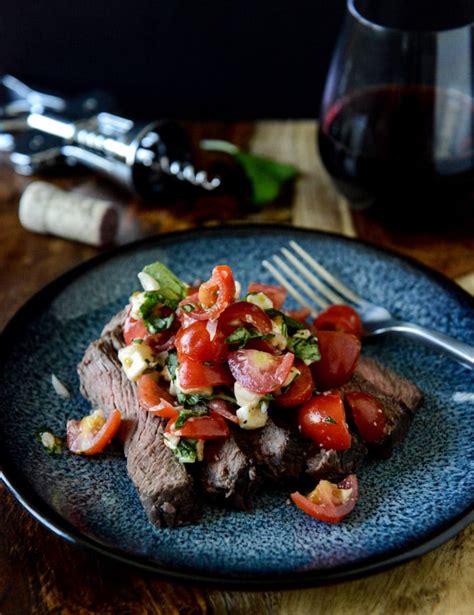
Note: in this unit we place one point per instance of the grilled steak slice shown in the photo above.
(165, 488)
(399, 399)
(277, 449)
(335, 465)
(389, 383)
(227, 474)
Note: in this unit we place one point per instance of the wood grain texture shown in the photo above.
(40, 573)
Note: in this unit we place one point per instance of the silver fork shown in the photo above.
(319, 287)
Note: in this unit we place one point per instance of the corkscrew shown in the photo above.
(40, 131)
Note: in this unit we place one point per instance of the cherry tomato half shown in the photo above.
(194, 375)
(215, 294)
(135, 329)
(201, 428)
(154, 398)
(195, 343)
(300, 390)
(329, 502)
(340, 318)
(339, 355)
(224, 408)
(93, 433)
(323, 420)
(244, 313)
(301, 314)
(260, 372)
(368, 415)
(276, 294)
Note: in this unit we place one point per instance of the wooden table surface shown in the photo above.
(40, 573)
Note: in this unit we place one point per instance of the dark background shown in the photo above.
(213, 59)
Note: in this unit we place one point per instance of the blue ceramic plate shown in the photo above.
(408, 504)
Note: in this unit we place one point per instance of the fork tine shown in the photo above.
(310, 292)
(322, 288)
(293, 292)
(324, 273)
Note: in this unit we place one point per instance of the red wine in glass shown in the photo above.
(397, 123)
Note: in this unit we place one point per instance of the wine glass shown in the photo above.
(397, 117)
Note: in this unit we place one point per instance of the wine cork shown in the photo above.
(47, 209)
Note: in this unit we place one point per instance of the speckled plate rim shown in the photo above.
(42, 512)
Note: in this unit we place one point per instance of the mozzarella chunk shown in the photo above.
(148, 282)
(261, 300)
(200, 450)
(244, 397)
(171, 440)
(136, 301)
(135, 359)
(238, 290)
(253, 417)
(278, 340)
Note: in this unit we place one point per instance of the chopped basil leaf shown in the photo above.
(155, 324)
(172, 365)
(188, 307)
(171, 287)
(268, 397)
(305, 349)
(185, 451)
(291, 323)
(329, 419)
(184, 415)
(192, 399)
(208, 363)
(137, 340)
(242, 335)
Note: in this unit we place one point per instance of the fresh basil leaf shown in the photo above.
(266, 176)
(242, 335)
(306, 349)
(155, 324)
(186, 414)
(192, 399)
(329, 419)
(172, 365)
(171, 287)
(188, 307)
(291, 323)
(186, 451)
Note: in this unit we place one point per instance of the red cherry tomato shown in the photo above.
(323, 420)
(260, 372)
(340, 318)
(367, 414)
(261, 345)
(224, 408)
(215, 294)
(329, 502)
(93, 433)
(300, 390)
(154, 398)
(277, 294)
(135, 329)
(244, 313)
(301, 314)
(201, 428)
(194, 375)
(195, 343)
(339, 355)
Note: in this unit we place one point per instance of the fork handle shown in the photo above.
(461, 352)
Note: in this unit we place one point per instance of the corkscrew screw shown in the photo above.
(40, 131)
